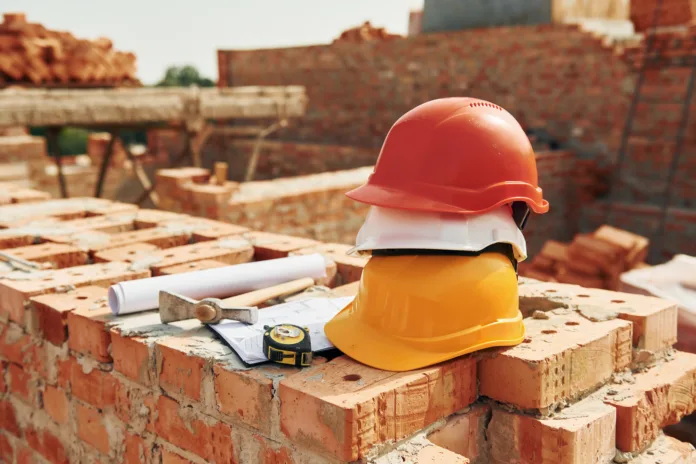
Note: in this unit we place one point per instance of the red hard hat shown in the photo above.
(454, 155)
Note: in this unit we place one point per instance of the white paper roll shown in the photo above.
(141, 295)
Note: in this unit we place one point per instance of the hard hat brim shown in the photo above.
(377, 195)
(383, 351)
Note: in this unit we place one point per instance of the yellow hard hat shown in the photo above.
(413, 311)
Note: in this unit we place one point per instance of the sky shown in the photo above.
(165, 33)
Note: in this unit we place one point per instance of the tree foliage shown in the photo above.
(184, 76)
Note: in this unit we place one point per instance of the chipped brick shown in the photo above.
(560, 359)
(324, 407)
(658, 398)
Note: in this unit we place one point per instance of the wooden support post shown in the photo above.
(54, 151)
(106, 160)
(221, 169)
(142, 177)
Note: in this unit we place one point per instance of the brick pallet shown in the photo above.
(596, 377)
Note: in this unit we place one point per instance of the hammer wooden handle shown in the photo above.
(259, 296)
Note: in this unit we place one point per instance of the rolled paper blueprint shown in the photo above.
(142, 295)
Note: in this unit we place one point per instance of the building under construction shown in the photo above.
(604, 92)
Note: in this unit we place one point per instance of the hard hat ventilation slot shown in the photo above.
(490, 105)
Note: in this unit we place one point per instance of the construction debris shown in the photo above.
(594, 260)
(365, 33)
(32, 55)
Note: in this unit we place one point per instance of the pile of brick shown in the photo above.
(365, 33)
(594, 260)
(30, 54)
(595, 379)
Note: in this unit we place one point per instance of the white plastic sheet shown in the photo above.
(664, 281)
(142, 295)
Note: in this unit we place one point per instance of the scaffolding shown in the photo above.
(656, 56)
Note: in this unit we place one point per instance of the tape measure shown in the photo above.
(287, 344)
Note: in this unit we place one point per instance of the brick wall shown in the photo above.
(315, 206)
(554, 77)
(673, 13)
(80, 385)
(276, 159)
(644, 219)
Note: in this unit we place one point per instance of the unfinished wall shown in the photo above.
(557, 77)
(315, 206)
(80, 385)
(277, 158)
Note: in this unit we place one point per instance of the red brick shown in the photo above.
(147, 218)
(91, 428)
(131, 357)
(583, 432)
(87, 322)
(8, 418)
(349, 268)
(465, 434)
(26, 456)
(129, 253)
(110, 223)
(159, 237)
(190, 267)
(330, 406)
(56, 255)
(180, 372)
(659, 397)
(214, 230)
(15, 345)
(181, 427)
(171, 458)
(230, 251)
(666, 450)
(561, 358)
(3, 369)
(47, 444)
(269, 455)
(135, 405)
(56, 404)
(273, 246)
(20, 384)
(436, 455)
(14, 294)
(654, 320)
(92, 385)
(6, 449)
(51, 318)
(137, 451)
(248, 395)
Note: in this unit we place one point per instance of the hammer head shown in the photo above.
(175, 307)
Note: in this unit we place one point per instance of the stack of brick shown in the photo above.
(595, 379)
(594, 260)
(30, 54)
(21, 157)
